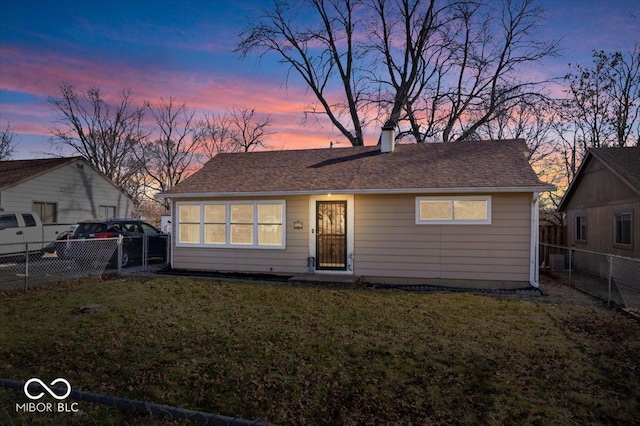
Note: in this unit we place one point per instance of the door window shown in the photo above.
(331, 236)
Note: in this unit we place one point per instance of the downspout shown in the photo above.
(172, 242)
(534, 255)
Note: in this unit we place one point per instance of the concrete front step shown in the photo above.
(325, 279)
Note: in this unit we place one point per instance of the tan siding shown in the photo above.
(292, 260)
(461, 255)
(388, 243)
(504, 239)
(486, 276)
(428, 249)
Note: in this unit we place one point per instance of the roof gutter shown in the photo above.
(462, 190)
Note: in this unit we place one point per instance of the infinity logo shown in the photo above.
(51, 392)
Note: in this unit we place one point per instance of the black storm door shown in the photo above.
(331, 235)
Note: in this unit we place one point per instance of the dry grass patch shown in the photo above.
(309, 355)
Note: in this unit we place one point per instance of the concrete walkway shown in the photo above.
(555, 291)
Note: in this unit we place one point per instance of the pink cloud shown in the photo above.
(40, 73)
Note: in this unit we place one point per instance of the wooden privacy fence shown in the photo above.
(555, 235)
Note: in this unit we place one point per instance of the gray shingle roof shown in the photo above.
(411, 167)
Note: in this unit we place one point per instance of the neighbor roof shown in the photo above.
(13, 172)
(454, 166)
(623, 162)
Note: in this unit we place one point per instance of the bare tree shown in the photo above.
(323, 55)
(170, 157)
(216, 135)
(7, 144)
(601, 109)
(249, 131)
(406, 36)
(490, 49)
(106, 135)
(588, 103)
(238, 130)
(537, 123)
(625, 92)
(530, 119)
(439, 70)
(604, 99)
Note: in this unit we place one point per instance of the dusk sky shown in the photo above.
(184, 49)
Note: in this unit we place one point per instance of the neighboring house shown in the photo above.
(60, 190)
(602, 204)
(443, 213)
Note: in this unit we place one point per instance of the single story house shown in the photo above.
(445, 213)
(602, 204)
(61, 190)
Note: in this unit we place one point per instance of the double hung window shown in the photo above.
(48, 212)
(623, 230)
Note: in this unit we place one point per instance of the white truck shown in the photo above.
(19, 230)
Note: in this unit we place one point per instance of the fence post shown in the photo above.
(145, 252)
(570, 266)
(167, 259)
(610, 258)
(120, 254)
(26, 266)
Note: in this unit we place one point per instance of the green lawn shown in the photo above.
(301, 355)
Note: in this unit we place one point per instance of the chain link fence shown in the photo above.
(82, 408)
(22, 267)
(61, 261)
(614, 279)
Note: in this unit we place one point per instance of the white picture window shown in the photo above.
(460, 210)
(240, 224)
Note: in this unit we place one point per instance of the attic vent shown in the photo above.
(80, 165)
